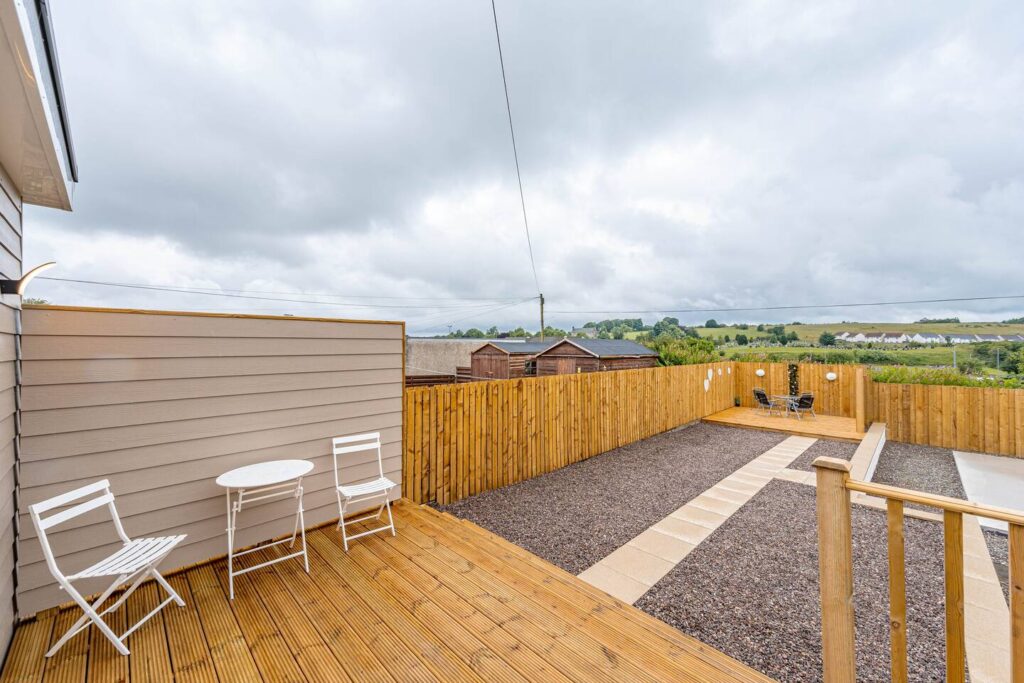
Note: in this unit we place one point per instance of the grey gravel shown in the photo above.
(579, 514)
(824, 448)
(999, 548)
(751, 590)
(921, 468)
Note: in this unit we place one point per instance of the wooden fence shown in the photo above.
(980, 419)
(463, 439)
(831, 397)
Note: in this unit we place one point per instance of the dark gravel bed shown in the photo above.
(843, 450)
(579, 514)
(751, 590)
(999, 549)
(921, 468)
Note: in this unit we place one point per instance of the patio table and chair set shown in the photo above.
(785, 404)
(137, 559)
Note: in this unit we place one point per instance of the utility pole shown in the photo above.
(954, 357)
(541, 317)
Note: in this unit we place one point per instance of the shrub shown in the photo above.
(827, 339)
(901, 374)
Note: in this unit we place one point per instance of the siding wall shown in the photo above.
(163, 403)
(10, 268)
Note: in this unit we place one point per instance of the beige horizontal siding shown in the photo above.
(163, 404)
(10, 267)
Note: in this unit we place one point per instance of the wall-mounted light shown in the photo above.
(830, 376)
(18, 286)
(707, 384)
(711, 373)
(719, 372)
(759, 372)
(729, 370)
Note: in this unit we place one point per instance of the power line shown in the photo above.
(436, 320)
(801, 306)
(515, 152)
(200, 292)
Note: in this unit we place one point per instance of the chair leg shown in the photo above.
(89, 615)
(391, 520)
(341, 523)
(166, 586)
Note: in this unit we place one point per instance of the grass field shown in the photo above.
(811, 333)
(941, 355)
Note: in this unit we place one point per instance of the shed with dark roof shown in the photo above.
(570, 356)
(505, 360)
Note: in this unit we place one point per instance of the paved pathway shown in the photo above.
(633, 569)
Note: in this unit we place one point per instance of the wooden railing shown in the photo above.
(835, 566)
(463, 439)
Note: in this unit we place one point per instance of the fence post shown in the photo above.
(859, 409)
(835, 570)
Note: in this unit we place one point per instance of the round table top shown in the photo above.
(264, 474)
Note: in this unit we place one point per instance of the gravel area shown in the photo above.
(921, 468)
(824, 448)
(999, 548)
(751, 590)
(579, 514)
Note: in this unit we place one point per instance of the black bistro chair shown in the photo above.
(803, 404)
(766, 404)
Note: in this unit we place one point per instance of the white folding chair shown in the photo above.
(137, 560)
(359, 493)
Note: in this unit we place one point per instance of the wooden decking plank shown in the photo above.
(448, 627)
(230, 653)
(190, 654)
(681, 645)
(106, 663)
(536, 600)
(404, 663)
(150, 660)
(315, 659)
(432, 647)
(827, 426)
(25, 659)
(259, 628)
(358, 659)
(505, 560)
(493, 622)
(70, 664)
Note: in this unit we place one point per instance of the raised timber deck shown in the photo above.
(443, 601)
(822, 426)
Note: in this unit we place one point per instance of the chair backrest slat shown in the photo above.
(359, 442)
(76, 511)
(65, 498)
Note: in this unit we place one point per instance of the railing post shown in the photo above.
(835, 570)
(860, 409)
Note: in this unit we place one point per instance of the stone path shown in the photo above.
(630, 571)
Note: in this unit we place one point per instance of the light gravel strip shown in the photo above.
(630, 571)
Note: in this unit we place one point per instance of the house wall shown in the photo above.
(10, 268)
(161, 404)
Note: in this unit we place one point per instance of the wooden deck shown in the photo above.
(823, 426)
(443, 601)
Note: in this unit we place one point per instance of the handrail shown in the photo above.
(942, 502)
(835, 557)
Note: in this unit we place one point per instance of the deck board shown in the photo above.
(822, 426)
(444, 600)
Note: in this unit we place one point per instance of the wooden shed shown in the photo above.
(570, 356)
(505, 360)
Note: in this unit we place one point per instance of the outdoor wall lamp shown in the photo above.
(759, 372)
(830, 376)
(18, 286)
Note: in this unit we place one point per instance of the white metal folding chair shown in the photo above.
(359, 493)
(137, 560)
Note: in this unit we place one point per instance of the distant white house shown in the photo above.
(990, 337)
(960, 338)
(870, 337)
(928, 338)
(895, 338)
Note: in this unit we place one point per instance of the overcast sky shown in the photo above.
(674, 155)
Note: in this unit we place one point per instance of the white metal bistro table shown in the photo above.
(264, 481)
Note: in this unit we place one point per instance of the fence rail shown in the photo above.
(463, 439)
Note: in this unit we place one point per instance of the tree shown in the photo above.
(827, 339)
(473, 333)
(726, 339)
(742, 340)
(684, 351)
(760, 328)
(620, 332)
(518, 333)
(492, 331)
(667, 326)
(711, 324)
